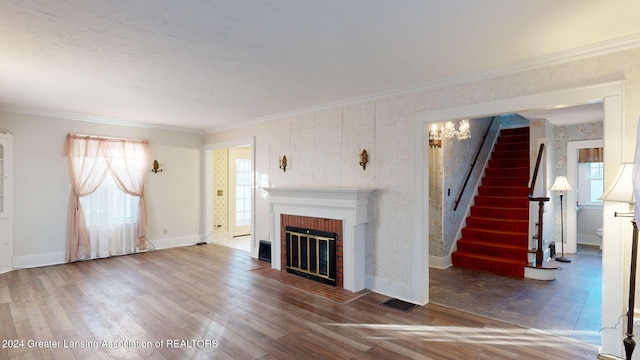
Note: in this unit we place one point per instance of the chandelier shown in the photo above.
(448, 131)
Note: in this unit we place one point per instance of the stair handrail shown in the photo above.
(535, 170)
(473, 164)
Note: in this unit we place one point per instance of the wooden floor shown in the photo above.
(204, 302)
(570, 306)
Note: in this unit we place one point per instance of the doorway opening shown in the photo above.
(544, 304)
(610, 94)
(588, 211)
(230, 195)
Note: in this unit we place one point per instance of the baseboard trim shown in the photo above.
(38, 260)
(440, 262)
(159, 244)
(57, 258)
(389, 288)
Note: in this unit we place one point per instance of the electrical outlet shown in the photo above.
(165, 231)
(220, 192)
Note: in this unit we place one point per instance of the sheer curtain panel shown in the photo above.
(97, 166)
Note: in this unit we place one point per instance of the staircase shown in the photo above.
(496, 236)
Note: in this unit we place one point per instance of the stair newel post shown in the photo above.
(539, 251)
(540, 200)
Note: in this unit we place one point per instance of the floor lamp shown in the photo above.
(560, 186)
(622, 191)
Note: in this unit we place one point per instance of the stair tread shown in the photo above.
(492, 258)
(498, 219)
(510, 177)
(503, 197)
(501, 232)
(494, 244)
(497, 207)
(546, 265)
(521, 143)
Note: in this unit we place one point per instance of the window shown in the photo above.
(111, 216)
(106, 211)
(243, 192)
(590, 183)
(110, 205)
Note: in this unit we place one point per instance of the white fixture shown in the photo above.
(622, 190)
(6, 202)
(346, 204)
(561, 185)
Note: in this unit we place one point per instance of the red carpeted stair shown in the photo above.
(496, 236)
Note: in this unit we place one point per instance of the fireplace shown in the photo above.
(329, 228)
(311, 254)
(344, 211)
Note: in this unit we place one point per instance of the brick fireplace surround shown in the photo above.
(304, 222)
(348, 206)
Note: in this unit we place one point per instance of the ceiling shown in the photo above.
(210, 64)
(563, 116)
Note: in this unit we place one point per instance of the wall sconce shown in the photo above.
(283, 163)
(364, 159)
(448, 131)
(156, 167)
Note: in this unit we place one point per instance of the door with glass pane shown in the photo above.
(240, 190)
(6, 192)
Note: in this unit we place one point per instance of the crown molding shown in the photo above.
(94, 119)
(562, 57)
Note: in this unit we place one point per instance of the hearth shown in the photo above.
(311, 254)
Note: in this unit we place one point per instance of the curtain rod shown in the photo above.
(105, 137)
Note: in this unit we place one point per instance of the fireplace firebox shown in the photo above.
(311, 254)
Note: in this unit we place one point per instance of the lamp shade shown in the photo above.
(622, 188)
(561, 184)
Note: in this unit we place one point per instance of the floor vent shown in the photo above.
(399, 305)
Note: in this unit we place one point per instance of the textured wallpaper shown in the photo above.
(221, 182)
(457, 160)
(387, 126)
(436, 177)
(564, 134)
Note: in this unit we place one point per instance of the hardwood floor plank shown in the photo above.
(209, 293)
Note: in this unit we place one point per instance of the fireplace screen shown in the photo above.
(311, 254)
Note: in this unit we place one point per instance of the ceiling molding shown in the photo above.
(94, 119)
(585, 52)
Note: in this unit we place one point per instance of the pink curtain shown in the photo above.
(126, 162)
(90, 160)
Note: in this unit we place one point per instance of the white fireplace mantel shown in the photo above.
(347, 204)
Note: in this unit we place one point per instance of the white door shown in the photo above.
(240, 186)
(6, 192)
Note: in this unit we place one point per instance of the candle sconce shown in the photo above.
(283, 163)
(364, 159)
(156, 167)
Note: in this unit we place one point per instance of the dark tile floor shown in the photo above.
(569, 306)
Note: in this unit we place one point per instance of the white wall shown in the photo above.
(42, 185)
